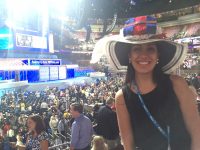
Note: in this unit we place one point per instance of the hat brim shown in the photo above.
(171, 54)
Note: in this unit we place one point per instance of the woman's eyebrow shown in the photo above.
(136, 46)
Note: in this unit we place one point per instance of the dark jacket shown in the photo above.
(107, 123)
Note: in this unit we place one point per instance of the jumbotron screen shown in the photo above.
(24, 26)
(6, 38)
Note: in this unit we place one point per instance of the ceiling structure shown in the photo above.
(131, 8)
(81, 11)
(64, 18)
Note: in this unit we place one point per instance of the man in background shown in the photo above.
(107, 125)
(82, 130)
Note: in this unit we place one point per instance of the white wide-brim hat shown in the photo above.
(117, 47)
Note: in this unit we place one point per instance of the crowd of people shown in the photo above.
(19, 109)
(52, 106)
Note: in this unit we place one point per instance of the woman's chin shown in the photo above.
(144, 71)
(30, 131)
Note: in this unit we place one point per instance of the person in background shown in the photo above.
(53, 123)
(95, 112)
(98, 143)
(37, 138)
(62, 127)
(44, 106)
(19, 140)
(82, 131)
(107, 126)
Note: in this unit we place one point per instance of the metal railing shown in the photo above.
(60, 146)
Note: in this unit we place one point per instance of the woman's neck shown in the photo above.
(34, 134)
(145, 82)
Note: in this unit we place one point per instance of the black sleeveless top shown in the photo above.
(164, 107)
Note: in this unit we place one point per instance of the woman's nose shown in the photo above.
(143, 53)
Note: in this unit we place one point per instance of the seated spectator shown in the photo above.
(63, 127)
(11, 135)
(19, 140)
(44, 106)
(53, 123)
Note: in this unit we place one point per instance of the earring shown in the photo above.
(129, 61)
(157, 61)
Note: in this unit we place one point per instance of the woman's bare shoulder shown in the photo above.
(119, 97)
(178, 81)
(181, 88)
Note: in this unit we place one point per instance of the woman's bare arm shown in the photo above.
(44, 145)
(189, 109)
(124, 123)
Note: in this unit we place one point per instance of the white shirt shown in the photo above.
(44, 105)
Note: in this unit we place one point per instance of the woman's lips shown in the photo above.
(143, 62)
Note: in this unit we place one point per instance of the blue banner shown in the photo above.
(45, 62)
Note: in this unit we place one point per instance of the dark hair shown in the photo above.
(77, 107)
(110, 100)
(96, 107)
(40, 126)
(158, 74)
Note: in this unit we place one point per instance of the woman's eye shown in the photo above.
(136, 49)
(151, 49)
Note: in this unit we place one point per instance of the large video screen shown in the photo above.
(31, 41)
(29, 23)
(62, 72)
(6, 38)
(53, 73)
(44, 73)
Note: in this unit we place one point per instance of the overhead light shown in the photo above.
(132, 2)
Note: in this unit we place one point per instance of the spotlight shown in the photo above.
(132, 2)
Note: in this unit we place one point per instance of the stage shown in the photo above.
(10, 85)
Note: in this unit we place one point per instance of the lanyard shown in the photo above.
(155, 123)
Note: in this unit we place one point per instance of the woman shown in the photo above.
(155, 110)
(98, 143)
(53, 123)
(37, 137)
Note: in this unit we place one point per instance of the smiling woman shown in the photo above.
(143, 57)
(37, 137)
(155, 110)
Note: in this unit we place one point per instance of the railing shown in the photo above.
(60, 146)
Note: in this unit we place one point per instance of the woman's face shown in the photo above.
(31, 125)
(144, 58)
